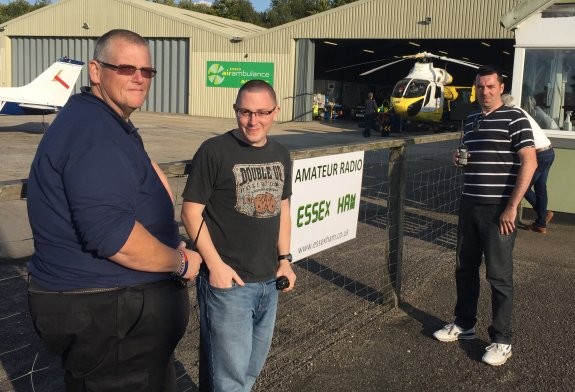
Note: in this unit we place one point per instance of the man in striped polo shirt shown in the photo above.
(498, 172)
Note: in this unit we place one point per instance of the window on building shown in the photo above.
(548, 91)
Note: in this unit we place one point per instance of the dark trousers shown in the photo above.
(118, 340)
(537, 196)
(370, 123)
(478, 235)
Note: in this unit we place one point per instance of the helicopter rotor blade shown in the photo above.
(417, 56)
(355, 65)
(456, 61)
(381, 67)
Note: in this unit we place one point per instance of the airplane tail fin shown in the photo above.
(51, 88)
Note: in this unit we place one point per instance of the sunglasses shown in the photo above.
(241, 112)
(129, 70)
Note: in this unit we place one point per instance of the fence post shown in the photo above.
(397, 172)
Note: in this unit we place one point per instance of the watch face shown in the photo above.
(287, 257)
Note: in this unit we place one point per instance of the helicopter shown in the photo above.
(425, 94)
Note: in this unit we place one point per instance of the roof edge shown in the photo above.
(163, 10)
(28, 14)
(523, 11)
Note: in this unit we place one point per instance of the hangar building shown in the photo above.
(203, 59)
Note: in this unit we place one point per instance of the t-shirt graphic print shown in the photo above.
(259, 188)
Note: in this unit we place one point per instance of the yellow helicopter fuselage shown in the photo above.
(418, 99)
(422, 100)
(403, 108)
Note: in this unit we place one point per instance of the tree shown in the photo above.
(18, 8)
(241, 10)
(337, 3)
(197, 7)
(280, 11)
(285, 11)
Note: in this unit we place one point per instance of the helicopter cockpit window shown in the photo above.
(427, 96)
(400, 88)
(416, 88)
(548, 89)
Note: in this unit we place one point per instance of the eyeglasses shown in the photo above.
(129, 70)
(245, 113)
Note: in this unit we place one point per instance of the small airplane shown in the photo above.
(44, 95)
(425, 94)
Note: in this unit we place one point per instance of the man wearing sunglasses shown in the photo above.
(107, 279)
(499, 168)
(236, 204)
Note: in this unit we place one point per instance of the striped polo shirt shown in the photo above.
(493, 141)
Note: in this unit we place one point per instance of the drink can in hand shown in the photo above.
(463, 155)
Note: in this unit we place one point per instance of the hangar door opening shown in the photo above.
(339, 64)
(170, 88)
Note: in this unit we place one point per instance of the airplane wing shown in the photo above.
(48, 92)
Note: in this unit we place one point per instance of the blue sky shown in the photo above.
(259, 5)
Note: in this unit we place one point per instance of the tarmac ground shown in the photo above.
(167, 137)
(399, 353)
(394, 351)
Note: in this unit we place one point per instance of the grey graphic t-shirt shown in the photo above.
(242, 188)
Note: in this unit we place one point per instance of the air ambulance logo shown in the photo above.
(215, 76)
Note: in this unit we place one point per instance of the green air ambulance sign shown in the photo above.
(234, 74)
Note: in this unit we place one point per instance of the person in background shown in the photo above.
(236, 204)
(370, 115)
(106, 282)
(536, 195)
(498, 172)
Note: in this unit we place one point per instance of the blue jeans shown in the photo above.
(537, 196)
(236, 329)
(478, 235)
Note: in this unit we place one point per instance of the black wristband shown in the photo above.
(287, 257)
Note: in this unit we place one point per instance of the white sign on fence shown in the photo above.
(325, 202)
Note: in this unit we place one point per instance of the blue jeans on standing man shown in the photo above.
(478, 235)
(236, 329)
(537, 196)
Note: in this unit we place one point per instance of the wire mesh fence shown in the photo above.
(338, 291)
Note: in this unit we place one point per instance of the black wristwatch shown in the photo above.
(285, 257)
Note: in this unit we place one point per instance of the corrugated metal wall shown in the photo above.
(386, 19)
(32, 55)
(304, 76)
(218, 101)
(169, 91)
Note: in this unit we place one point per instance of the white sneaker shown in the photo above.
(497, 354)
(452, 332)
